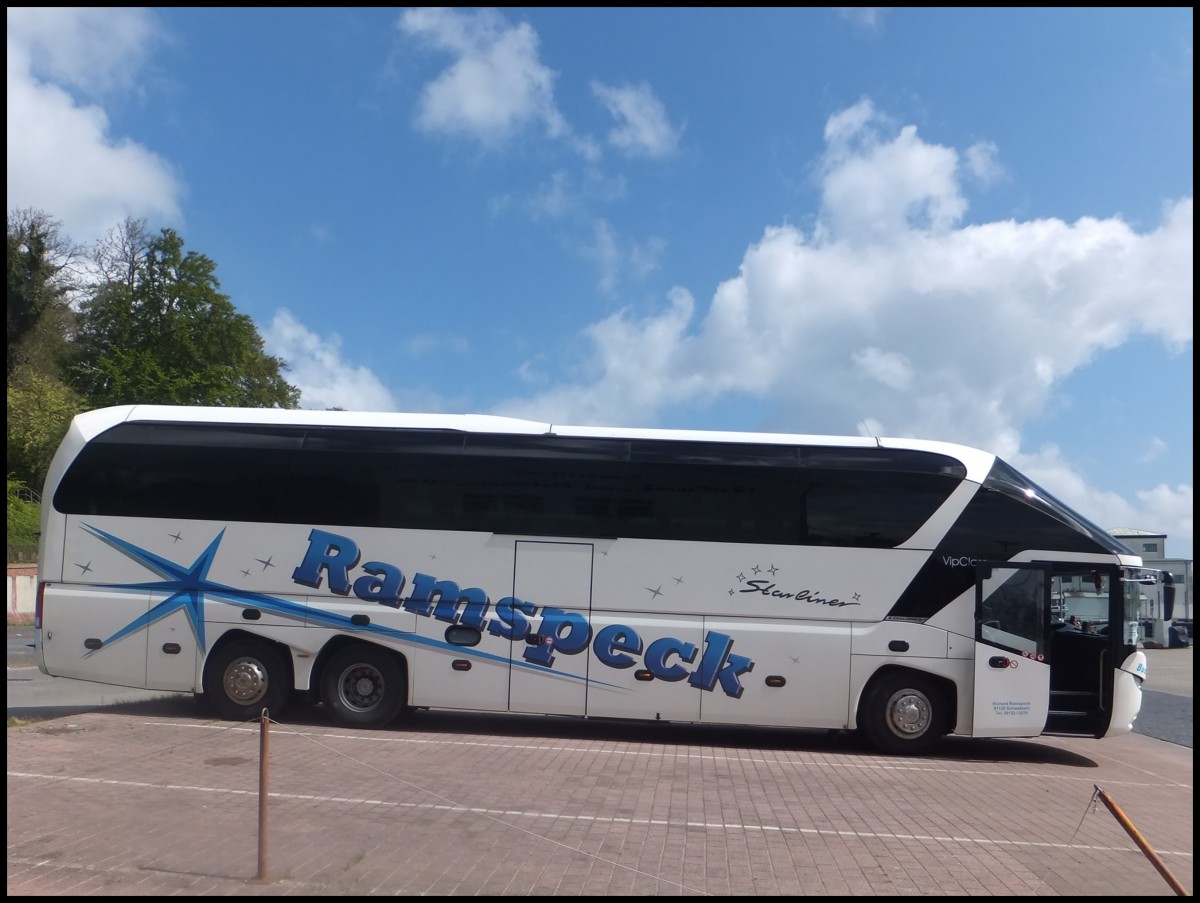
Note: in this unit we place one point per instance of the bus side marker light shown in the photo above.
(775, 680)
(461, 664)
(643, 674)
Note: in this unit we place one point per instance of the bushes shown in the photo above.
(24, 516)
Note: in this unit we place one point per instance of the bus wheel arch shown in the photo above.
(903, 711)
(244, 674)
(363, 684)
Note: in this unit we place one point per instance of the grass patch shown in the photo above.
(15, 721)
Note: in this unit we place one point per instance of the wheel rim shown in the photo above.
(361, 688)
(246, 681)
(909, 714)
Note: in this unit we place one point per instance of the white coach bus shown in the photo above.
(379, 563)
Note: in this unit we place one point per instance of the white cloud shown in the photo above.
(643, 129)
(1167, 508)
(646, 257)
(875, 188)
(890, 368)
(552, 198)
(496, 85)
(62, 158)
(427, 344)
(604, 252)
(1154, 450)
(317, 367)
(636, 372)
(892, 314)
(564, 194)
(983, 161)
(93, 50)
(869, 17)
(617, 258)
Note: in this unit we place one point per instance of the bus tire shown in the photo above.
(363, 686)
(904, 713)
(246, 676)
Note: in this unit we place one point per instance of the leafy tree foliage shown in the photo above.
(40, 409)
(40, 406)
(158, 330)
(144, 322)
(39, 284)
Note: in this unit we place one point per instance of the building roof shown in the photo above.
(1130, 531)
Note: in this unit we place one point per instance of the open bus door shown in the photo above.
(1098, 638)
(1012, 639)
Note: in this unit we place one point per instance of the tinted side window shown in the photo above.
(547, 485)
(373, 478)
(995, 527)
(878, 509)
(712, 492)
(97, 479)
(181, 470)
(539, 485)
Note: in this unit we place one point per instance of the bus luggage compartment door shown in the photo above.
(94, 633)
(1012, 671)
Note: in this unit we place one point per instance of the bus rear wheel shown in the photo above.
(904, 714)
(363, 686)
(246, 676)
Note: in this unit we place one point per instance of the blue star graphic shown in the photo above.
(186, 585)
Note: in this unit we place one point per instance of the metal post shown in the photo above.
(264, 744)
(1140, 841)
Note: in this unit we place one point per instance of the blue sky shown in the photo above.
(973, 226)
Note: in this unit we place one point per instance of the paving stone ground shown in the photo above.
(156, 799)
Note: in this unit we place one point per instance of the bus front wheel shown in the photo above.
(363, 686)
(904, 714)
(246, 676)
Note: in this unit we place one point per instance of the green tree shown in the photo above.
(158, 330)
(40, 409)
(40, 281)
